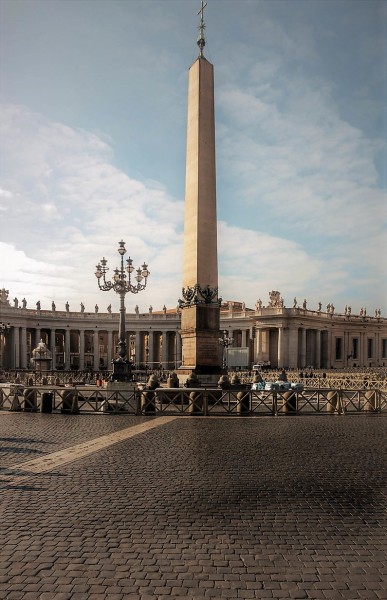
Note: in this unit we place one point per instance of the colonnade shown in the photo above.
(289, 338)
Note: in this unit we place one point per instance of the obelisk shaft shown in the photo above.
(200, 307)
(200, 264)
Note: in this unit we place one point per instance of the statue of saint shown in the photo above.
(150, 310)
(82, 307)
(53, 307)
(38, 305)
(67, 307)
(304, 304)
(319, 307)
(24, 303)
(136, 309)
(295, 302)
(96, 308)
(109, 309)
(16, 303)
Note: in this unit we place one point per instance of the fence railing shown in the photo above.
(188, 401)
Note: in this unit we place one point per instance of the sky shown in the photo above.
(93, 142)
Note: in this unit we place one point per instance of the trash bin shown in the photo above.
(46, 405)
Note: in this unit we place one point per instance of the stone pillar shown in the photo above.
(16, 347)
(96, 350)
(37, 336)
(243, 338)
(23, 348)
(52, 348)
(177, 350)
(151, 347)
(67, 365)
(164, 355)
(138, 348)
(259, 334)
(293, 347)
(280, 348)
(330, 353)
(318, 349)
(109, 348)
(303, 348)
(81, 347)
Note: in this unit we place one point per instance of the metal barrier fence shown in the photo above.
(185, 401)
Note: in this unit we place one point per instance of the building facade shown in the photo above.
(295, 337)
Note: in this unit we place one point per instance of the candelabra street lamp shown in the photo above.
(122, 284)
(225, 342)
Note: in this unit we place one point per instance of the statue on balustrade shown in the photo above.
(82, 307)
(24, 303)
(109, 309)
(67, 307)
(38, 305)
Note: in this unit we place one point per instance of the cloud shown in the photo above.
(67, 205)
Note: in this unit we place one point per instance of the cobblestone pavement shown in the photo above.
(292, 507)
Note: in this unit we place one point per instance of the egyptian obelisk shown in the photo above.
(200, 303)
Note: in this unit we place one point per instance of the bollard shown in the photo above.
(148, 402)
(15, 404)
(195, 403)
(46, 405)
(333, 402)
(243, 405)
(30, 400)
(70, 402)
(289, 402)
(370, 401)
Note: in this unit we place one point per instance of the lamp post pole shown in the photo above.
(122, 284)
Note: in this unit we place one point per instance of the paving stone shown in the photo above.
(202, 508)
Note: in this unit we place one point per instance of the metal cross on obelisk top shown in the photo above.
(201, 13)
(201, 42)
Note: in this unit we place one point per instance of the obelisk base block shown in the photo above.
(200, 340)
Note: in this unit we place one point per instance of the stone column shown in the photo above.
(37, 336)
(67, 365)
(164, 354)
(280, 348)
(243, 338)
(151, 345)
(293, 347)
(138, 348)
(109, 348)
(23, 348)
(318, 349)
(178, 349)
(303, 348)
(52, 348)
(16, 347)
(81, 349)
(96, 350)
(330, 352)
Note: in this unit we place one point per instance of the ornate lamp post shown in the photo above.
(225, 341)
(122, 284)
